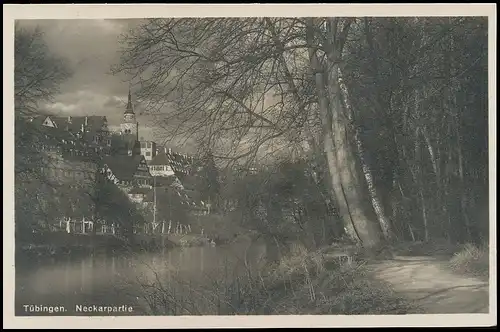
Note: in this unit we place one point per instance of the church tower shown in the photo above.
(129, 126)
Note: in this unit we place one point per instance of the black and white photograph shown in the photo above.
(251, 165)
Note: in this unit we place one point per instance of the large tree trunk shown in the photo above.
(375, 198)
(344, 169)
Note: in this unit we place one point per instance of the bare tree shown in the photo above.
(37, 73)
(37, 76)
(244, 87)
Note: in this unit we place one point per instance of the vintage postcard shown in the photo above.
(249, 165)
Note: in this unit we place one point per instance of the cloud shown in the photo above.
(91, 47)
(113, 101)
(87, 102)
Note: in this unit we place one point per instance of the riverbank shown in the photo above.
(48, 245)
(37, 246)
(300, 283)
(320, 282)
(316, 283)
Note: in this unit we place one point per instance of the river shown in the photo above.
(191, 280)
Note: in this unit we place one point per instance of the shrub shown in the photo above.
(472, 259)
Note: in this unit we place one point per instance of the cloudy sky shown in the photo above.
(91, 47)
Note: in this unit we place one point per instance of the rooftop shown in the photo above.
(160, 159)
(123, 167)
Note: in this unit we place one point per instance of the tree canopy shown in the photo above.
(390, 112)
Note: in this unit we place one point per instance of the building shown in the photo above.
(143, 196)
(130, 126)
(127, 171)
(179, 163)
(129, 131)
(67, 155)
(160, 166)
(90, 130)
(148, 150)
(124, 146)
(78, 147)
(68, 166)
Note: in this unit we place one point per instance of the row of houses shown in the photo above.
(79, 147)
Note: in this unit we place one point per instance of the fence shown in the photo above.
(85, 226)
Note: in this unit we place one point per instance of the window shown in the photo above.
(148, 153)
(143, 145)
(148, 145)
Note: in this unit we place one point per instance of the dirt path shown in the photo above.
(434, 288)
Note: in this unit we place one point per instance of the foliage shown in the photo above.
(170, 206)
(419, 90)
(209, 186)
(304, 283)
(37, 75)
(41, 200)
(396, 106)
(114, 206)
(472, 259)
(284, 202)
(37, 72)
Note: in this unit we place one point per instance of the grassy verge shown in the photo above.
(311, 283)
(61, 244)
(419, 248)
(469, 259)
(472, 260)
(301, 283)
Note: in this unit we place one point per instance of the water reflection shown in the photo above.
(183, 273)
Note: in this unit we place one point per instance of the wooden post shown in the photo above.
(113, 228)
(68, 225)
(83, 225)
(169, 226)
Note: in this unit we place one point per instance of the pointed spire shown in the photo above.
(129, 109)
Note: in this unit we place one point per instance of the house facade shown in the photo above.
(77, 148)
(148, 150)
(160, 166)
(127, 171)
(92, 131)
(143, 196)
